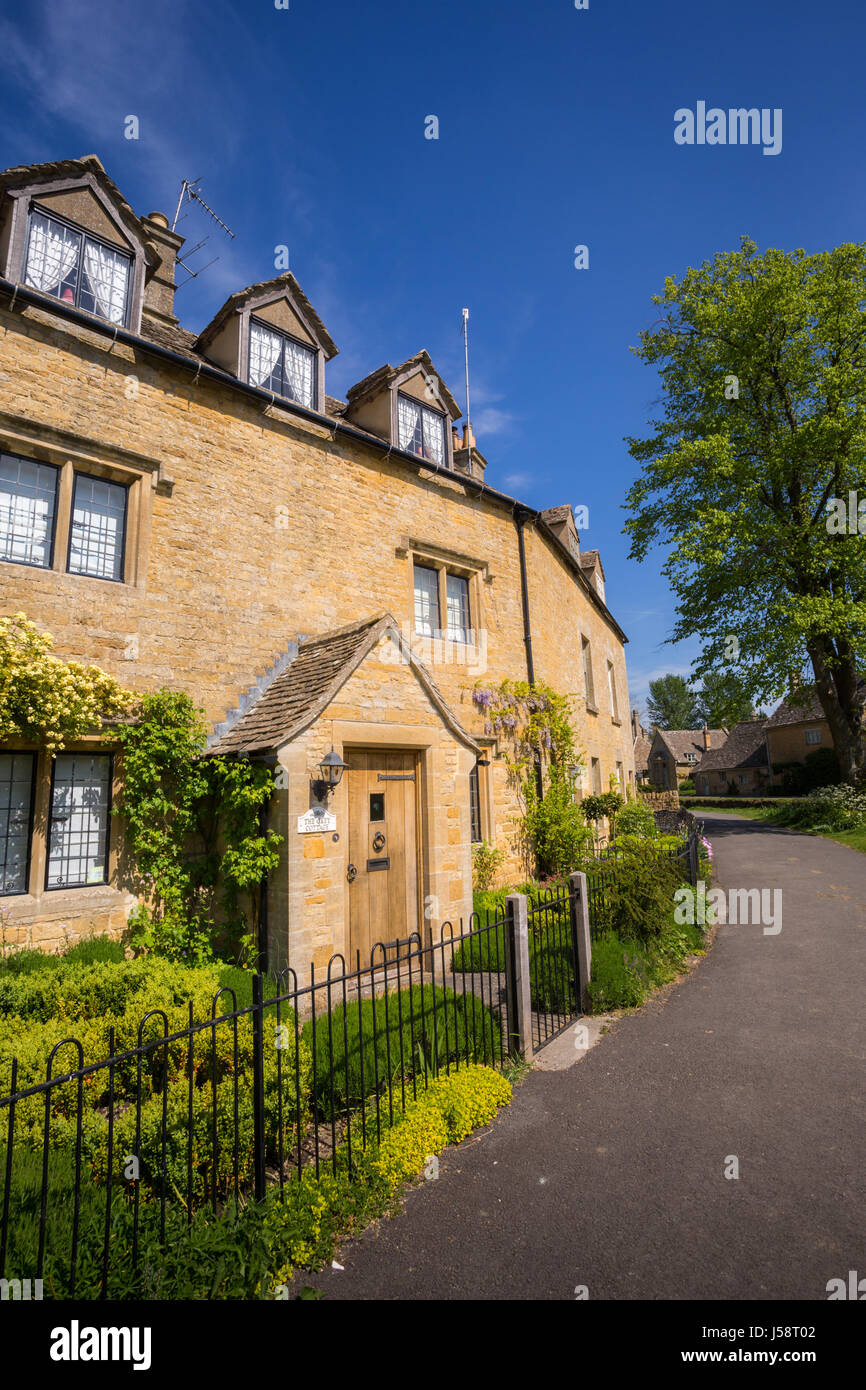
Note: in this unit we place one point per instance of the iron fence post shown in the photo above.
(581, 943)
(694, 866)
(517, 990)
(258, 1017)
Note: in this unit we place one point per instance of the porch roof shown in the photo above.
(298, 694)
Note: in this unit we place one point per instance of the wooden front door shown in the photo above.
(383, 869)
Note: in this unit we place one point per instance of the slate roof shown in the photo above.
(308, 684)
(589, 559)
(744, 747)
(679, 742)
(790, 713)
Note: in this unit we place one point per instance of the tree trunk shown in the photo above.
(837, 687)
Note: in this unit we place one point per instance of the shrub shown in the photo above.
(556, 830)
(46, 700)
(414, 1030)
(485, 950)
(615, 983)
(486, 860)
(625, 969)
(39, 1010)
(638, 820)
(95, 949)
(840, 807)
(687, 787)
(607, 804)
(634, 893)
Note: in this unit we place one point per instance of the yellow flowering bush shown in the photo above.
(303, 1229)
(46, 700)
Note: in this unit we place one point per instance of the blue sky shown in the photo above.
(306, 126)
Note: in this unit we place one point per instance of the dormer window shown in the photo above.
(72, 266)
(419, 430)
(281, 364)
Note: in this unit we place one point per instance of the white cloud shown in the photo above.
(491, 420)
(639, 680)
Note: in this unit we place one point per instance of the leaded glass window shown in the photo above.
(28, 503)
(282, 365)
(419, 430)
(475, 806)
(16, 802)
(98, 528)
(80, 808)
(457, 595)
(426, 601)
(77, 269)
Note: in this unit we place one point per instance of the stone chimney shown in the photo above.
(706, 738)
(475, 465)
(162, 247)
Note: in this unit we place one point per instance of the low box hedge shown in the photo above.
(722, 803)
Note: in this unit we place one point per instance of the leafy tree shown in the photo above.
(763, 365)
(671, 703)
(723, 702)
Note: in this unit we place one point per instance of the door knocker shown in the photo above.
(378, 841)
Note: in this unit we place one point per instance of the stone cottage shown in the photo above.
(193, 510)
(675, 753)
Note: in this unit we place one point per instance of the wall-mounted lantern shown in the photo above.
(332, 768)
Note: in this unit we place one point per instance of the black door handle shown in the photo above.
(351, 873)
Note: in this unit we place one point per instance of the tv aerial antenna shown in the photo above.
(190, 192)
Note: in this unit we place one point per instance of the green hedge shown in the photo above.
(723, 802)
(42, 1008)
(417, 1030)
(253, 1254)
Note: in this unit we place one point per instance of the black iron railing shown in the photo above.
(246, 1100)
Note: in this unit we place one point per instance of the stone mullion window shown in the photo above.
(120, 514)
(64, 515)
(38, 840)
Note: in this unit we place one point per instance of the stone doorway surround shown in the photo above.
(359, 686)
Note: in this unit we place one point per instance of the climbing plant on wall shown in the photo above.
(192, 827)
(534, 726)
(48, 701)
(193, 848)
